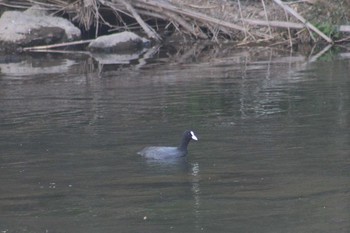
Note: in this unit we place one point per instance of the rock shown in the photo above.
(118, 42)
(33, 27)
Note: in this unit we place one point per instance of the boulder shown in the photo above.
(118, 42)
(33, 27)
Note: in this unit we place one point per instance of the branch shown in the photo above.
(149, 31)
(171, 16)
(185, 25)
(304, 21)
(277, 24)
(189, 13)
(43, 47)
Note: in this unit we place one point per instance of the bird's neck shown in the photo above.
(184, 144)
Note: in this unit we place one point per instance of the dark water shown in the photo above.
(272, 156)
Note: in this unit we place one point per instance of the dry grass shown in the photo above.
(242, 20)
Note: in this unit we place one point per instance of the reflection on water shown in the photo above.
(272, 156)
(173, 166)
(196, 195)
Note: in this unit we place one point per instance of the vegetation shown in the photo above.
(242, 21)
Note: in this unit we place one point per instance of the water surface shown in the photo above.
(272, 155)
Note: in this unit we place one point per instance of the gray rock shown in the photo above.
(33, 27)
(118, 42)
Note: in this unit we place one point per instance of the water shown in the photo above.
(272, 155)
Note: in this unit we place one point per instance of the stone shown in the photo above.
(118, 42)
(33, 27)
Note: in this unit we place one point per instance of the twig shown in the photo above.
(45, 47)
(267, 19)
(185, 25)
(240, 12)
(278, 24)
(14, 5)
(97, 18)
(60, 51)
(192, 14)
(280, 43)
(152, 14)
(149, 31)
(342, 40)
(201, 7)
(289, 34)
(319, 54)
(245, 43)
(304, 21)
(177, 18)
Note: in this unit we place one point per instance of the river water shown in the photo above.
(272, 156)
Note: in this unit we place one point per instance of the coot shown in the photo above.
(165, 152)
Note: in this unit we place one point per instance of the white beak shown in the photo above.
(194, 136)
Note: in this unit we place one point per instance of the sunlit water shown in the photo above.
(272, 156)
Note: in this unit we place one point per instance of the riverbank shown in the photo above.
(242, 22)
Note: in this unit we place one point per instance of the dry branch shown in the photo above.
(304, 21)
(150, 32)
(43, 47)
(192, 14)
(199, 18)
(277, 24)
(266, 16)
(176, 18)
(186, 25)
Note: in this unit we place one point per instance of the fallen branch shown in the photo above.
(278, 24)
(319, 54)
(241, 17)
(186, 25)
(168, 15)
(149, 31)
(266, 17)
(304, 21)
(14, 5)
(46, 47)
(189, 13)
(342, 40)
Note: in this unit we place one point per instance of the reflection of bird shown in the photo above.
(161, 152)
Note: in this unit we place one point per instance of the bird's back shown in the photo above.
(155, 152)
